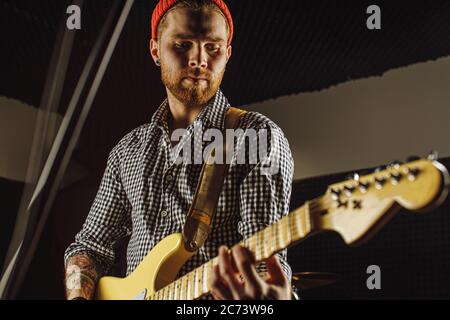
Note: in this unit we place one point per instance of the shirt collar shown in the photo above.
(211, 116)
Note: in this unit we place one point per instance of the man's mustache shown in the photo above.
(198, 75)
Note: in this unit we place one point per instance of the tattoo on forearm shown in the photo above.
(81, 277)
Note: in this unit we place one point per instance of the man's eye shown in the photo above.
(182, 45)
(213, 48)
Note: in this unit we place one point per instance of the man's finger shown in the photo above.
(218, 289)
(229, 273)
(275, 271)
(245, 261)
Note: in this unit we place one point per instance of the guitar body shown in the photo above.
(159, 268)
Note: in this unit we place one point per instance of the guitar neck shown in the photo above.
(290, 229)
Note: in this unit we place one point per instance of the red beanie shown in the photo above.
(164, 5)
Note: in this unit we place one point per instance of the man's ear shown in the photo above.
(229, 50)
(154, 50)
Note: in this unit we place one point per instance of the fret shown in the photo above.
(281, 242)
(259, 246)
(303, 219)
(196, 283)
(167, 292)
(187, 289)
(276, 238)
(299, 226)
(272, 239)
(164, 293)
(266, 244)
(204, 279)
(280, 239)
(183, 288)
(176, 290)
(300, 221)
(180, 289)
(252, 244)
(293, 226)
(268, 240)
(208, 267)
(172, 291)
(284, 232)
(289, 230)
(307, 219)
(191, 282)
(304, 224)
(308, 222)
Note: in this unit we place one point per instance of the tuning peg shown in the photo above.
(335, 193)
(356, 176)
(379, 183)
(349, 190)
(413, 173)
(395, 178)
(363, 187)
(395, 164)
(433, 155)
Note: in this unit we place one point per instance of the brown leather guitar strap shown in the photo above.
(201, 213)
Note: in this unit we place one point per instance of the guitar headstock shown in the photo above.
(356, 208)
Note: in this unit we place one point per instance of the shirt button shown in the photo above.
(169, 178)
(163, 213)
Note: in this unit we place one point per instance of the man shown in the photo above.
(145, 195)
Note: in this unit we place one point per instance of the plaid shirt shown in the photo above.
(145, 195)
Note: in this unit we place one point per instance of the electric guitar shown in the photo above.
(356, 209)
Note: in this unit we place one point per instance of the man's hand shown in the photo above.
(226, 284)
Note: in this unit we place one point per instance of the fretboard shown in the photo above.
(265, 243)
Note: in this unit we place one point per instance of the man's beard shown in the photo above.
(195, 94)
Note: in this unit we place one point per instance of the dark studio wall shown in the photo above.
(281, 48)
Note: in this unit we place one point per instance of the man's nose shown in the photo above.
(198, 58)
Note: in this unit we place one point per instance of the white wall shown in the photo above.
(17, 128)
(367, 122)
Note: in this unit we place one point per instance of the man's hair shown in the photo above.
(195, 5)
